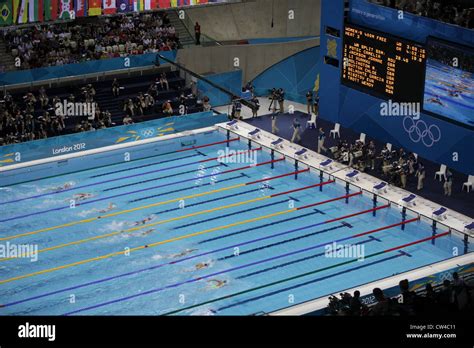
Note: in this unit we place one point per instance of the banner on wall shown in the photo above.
(34, 11)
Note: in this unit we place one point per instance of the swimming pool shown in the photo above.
(194, 225)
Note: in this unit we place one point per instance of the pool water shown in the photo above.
(170, 228)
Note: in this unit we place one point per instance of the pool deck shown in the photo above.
(423, 207)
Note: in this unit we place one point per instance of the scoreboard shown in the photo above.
(383, 65)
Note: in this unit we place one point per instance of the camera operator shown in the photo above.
(273, 100)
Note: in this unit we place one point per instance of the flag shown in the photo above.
(124, 6)
(66, 8)
(164, 3)
(109, 6)
(35, 11)
(6, 17)
(23, 12)
(80, 7)
(150, 4)
(95, 8)
(50, 9)
(16, 4)
(138, 5)
(40, 10)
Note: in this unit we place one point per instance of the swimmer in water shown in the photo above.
(435, 101)
(147, 232)
(216, 283)
(111, 206)
(64, 187)
(82, 196)
(181, 254)
(202, 265)
(144, 221)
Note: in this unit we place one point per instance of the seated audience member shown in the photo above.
(167, 108)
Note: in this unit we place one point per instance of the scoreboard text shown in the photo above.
(383, 65)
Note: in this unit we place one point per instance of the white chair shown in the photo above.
(312, 123)
(469, 184)
(362, 138)
(441, 173)
(389, 147)
(336, 130)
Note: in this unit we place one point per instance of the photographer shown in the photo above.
(273, 100)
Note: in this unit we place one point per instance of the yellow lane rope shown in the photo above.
(110, 255)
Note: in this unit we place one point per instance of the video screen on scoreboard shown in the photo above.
(449, 84)
(383, 65)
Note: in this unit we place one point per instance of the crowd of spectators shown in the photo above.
(448, 11)
(454, 296)
(105, 37)
(36, 116)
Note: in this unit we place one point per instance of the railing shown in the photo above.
(188, 24)
(247, 103)
(98, 76)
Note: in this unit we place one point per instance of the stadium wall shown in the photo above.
(77, 69)
(297, 75)
(252, 59)
(253, 19)
(232, 81)
(359, 111)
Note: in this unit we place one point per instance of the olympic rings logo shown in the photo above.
(147, 133)
(420, 131)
